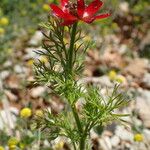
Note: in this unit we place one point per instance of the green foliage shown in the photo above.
(56, 72)
(4, 138)
(99, 110)
(60, 74)
(23, 17)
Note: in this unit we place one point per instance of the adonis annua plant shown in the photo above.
(61, 74)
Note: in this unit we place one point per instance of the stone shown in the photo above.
(20, 69)
(124, 7)
(146, 80)
(36, 39)
(4, 74)
(143, 105)
(137, 67)
(37, 91)
(124, 134)
(11, 96)
(8, 118)
(115, 140)
(103, 81)
(105, 143)
(30, 53)
(146, 133)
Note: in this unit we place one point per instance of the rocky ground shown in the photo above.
(134, 77)
(118, 62)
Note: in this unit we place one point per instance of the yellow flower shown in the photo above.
(46, 7)
(112, 75)
(12, 142)
(30, 62)
(25, 112)
(138, 137)
(39, 113)
(120, 79)
(12, 147)
(4, 21)
(2, 31)
(1, 148)
(59, 145)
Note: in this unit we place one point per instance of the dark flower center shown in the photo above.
(72, 8)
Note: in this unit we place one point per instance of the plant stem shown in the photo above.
(82, 143)
(76, 117)
(70, 53)
(70, 69)
(74, 146)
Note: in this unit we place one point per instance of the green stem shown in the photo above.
(70, 69)
(82, 143)
(76, 117)
(71, 48)
(74, 146)
(83, 138)
(82, 135)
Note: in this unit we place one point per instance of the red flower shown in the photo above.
(72, 12)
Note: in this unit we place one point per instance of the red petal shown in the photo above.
(92, 8)
(59, 13)
(80, 7)
(101, 16)
(68, 22)
(63, 4)
(88, 20)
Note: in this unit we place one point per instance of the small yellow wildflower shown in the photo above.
(46, 7)
(1, 148)
(4, 21)
(120, 79)
(12, 147)
(25, 112)
(112, 75)
(138, 137)
(39, 113)
(2, 31)
(30, 62)
(12, 142)
(59, 145)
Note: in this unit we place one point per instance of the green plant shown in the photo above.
(60, 74)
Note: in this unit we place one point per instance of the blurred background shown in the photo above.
(120, 54)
